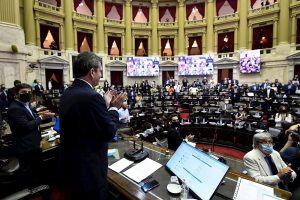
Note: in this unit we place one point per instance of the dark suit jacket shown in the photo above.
(86, 128)
(174, 138)
(24, 128)
(271, 95)
(38, 89)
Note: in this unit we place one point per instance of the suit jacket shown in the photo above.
(24, 127)
(86, 128)
(38, 89)
(271, 94)
(174, 138)
(258, 168)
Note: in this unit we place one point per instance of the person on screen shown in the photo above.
(88, 122)
(265, 164)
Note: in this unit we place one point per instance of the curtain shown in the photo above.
(119, 8)
(219, 4)
(162, 11)
(252, 3)
(58, 3)
(44, 31)
(145, 43)
(135, 10)
(199, 43)
(80, 38)
(90, 5)
(173, 12)
(108, 7)
(171, 40)
(111, 39)
(257, 34)
(226, 47)
(298, 32)
(76, 3)
(233, 4)
(145, 10)
(199, 6)
(163, 44)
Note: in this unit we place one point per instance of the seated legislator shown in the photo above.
(265, 164)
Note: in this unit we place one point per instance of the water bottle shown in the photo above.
(185, 190)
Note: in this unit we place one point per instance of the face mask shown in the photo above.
(2, 88)
(267, 148)
(175, 124)
(25, 97)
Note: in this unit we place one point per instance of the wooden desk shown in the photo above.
(132, 190)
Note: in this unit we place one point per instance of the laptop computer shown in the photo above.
(203, 173)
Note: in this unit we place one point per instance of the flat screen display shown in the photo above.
(203, 173)
(196, 65)
(250, 61)
(142, 66)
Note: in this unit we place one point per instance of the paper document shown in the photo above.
(249, 190)
(120, 165)
(113, 153)
(142, 170)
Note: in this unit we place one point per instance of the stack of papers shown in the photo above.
(138, 172)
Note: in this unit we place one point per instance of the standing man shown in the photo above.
(24, 125)
(88, 122)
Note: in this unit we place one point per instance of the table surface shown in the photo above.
(133, 191)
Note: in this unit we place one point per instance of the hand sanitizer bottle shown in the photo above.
(185, 190)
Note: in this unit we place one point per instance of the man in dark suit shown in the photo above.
(24, 125)
(39, 89)
(235, 94)
(88, 122)
(290, 88)
(269, 96)
(11, 91)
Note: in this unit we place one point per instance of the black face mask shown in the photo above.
(25, 97)
(2, 88)
(175, 124)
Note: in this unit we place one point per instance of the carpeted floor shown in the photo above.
(226, 151)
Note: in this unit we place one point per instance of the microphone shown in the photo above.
(135, 154)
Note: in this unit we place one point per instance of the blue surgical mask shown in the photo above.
(267, 148)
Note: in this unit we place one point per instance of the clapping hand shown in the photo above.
(113, 99)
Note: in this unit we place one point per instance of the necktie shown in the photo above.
(272, 165)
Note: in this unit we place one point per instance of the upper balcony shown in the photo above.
(84, 18)
(44, 53)
(48, 8)
(269, 9)
(114, 23)
(295, 3)
(195, 23)
(233, 17)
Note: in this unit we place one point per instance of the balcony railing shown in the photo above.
(264, 8)
(47, 6)
(226, 55)
(267, 51)
(195, 22)
(226, 17)
(49, 52)
(140, 24)
(113, 21)
(166, 58)
(112, 58)
(83, 16)
(167, 24)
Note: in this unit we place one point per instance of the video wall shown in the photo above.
(250, 61)
(142, 66)
(196, 65)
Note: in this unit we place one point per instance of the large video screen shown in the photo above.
(142, 66)
(250, 61)
(196, 65)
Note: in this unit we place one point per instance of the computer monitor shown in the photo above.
(203, 173)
